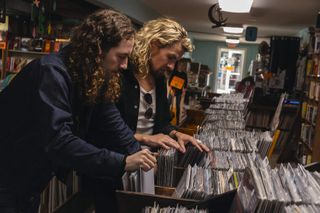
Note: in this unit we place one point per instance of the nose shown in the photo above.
(124, 64)
(170, 65)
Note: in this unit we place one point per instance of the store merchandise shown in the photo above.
(201, 183)
(167, 159)
(306, 134)
(237, 161)
(270, 190)
(139, 181)
(302, 208)
(192, 157)
(177, 209)
(258, 119)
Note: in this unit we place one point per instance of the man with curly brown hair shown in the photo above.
(46, 114)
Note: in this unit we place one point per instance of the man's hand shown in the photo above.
(184, 139)
(160, 140)
(142, 159)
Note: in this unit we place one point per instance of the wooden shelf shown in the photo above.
(30, 54)
(311, 101)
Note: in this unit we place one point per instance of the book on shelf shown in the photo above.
(317, 43)
(307, 132)
(306, 159)
(309, 70)
(304, 110)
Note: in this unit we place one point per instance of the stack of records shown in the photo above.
(214, 115)
(302, 208)
(241, 144)
(165, 172)
(200, 183)
(271, 190)
(222, 160)
(177, 209)
(195, 184)
(139, 181)
(192, 157)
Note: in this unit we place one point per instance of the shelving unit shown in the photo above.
(316, 140)
(310, 116)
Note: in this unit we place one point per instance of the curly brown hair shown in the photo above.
(96, 35)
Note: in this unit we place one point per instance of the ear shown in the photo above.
(155, 45)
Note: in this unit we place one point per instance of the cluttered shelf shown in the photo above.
(30, 54)
(314, 77)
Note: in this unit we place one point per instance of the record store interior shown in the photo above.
(159, 106)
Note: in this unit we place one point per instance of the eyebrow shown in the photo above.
(124, 54)
(174, 56)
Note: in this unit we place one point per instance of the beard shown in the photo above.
(161, 72)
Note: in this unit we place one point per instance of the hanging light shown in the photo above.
(239, 6)
(233, 30)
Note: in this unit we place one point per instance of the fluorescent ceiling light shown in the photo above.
(236, 6)
(234, 30)
(232, 41)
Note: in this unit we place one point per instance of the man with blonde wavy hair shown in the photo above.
(143, 102)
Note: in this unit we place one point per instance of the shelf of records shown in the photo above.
(228, 102)
(286, 188)
(195, 177)
(169, 209)
(218, 172)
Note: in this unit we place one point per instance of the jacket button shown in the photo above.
(136, 87)
(135, 106)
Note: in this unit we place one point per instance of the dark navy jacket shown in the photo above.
(37, 131)
(128, 103)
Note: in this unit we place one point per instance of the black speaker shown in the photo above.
(3, 11)
(318, 21)
(251, 33)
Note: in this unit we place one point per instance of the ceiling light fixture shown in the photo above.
(233, 30)
(239, 6)
(232, 40)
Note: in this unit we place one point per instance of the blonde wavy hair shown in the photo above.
(165, 32)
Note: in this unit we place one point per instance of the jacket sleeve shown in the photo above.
(108, 130)
(53, 107)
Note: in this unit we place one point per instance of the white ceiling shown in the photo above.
(272, 17)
